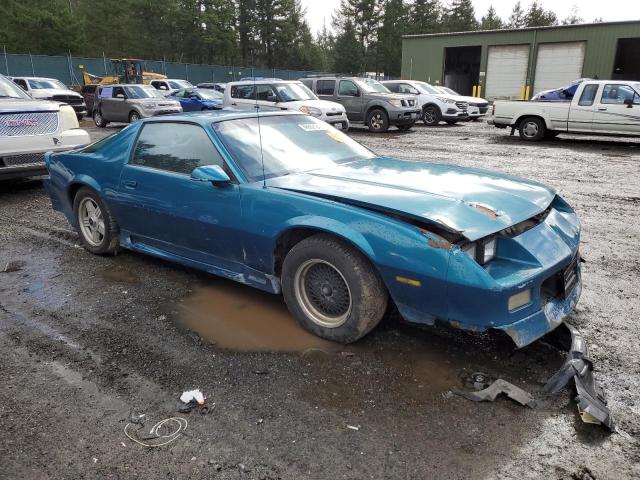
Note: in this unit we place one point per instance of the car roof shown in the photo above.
(37, 78)
(214, 116)
(262, 82)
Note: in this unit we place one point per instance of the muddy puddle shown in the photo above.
(239, 318)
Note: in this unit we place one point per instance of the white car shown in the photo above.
(599, 107)
(478, 107)
(284, 95)
(51, 89)
(168, 85)
(436, 105)
(29, 128)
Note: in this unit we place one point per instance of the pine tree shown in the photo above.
(364, 17)
(517, 18)
(425, 16)
(574, 17)
(460, 17)
(348, 52)
(326, 43)
(389, 45)
(491, 21)
(539, 17)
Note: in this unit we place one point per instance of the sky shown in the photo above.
(320, 10)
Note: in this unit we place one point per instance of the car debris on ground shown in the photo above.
(191, 399)
(486, 391)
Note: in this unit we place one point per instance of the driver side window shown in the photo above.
(265, 93)
(347, 88)
(175, 147)
(406, 88)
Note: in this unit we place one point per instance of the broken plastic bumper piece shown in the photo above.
(592, 404)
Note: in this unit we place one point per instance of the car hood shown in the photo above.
(324, 105)
(9, 105)
(50, 92)
(390, 96)
(471, 100)
(472, 202)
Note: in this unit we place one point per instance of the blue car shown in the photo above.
(288, 204)
(197, 99)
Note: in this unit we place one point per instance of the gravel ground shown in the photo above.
(90, 342)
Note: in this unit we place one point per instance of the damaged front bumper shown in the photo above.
(592, 404)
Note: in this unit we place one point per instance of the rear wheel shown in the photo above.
(332, 289)
(431, 115)
(97, 229)
(378, 120)
(532, 129)
(99, 119)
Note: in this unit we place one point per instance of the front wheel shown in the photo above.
(532, 129)
(431, 115)
(332, 289)
(97, 229)
(378, 120)
(134, 117)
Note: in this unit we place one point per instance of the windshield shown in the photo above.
(8, 89)
(209, 94)
(290, 144)
(372, 86)
(291, 92)
(177, 84)
(424, 87)
(41, 83)
(449, 91)
(143, 92)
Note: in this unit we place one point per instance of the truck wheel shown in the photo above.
(99, 119)
(134, 117)
(378, 120)
(332, 289)
(532, 129)
(431, 115)
(98, 230)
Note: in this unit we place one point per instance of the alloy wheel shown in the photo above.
(91, 222)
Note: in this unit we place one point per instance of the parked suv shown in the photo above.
(130, 103)
(284, 95)
(434, 105)
(29, 128)
(88, 92)
(367, 101)
(52, 89)
(478, 107)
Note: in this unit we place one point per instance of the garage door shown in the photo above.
(558, 64)
(506, 71)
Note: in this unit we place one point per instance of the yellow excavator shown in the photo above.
(127, 70)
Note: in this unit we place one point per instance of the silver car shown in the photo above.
(130, 103)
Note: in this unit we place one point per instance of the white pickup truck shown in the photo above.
(599, 107)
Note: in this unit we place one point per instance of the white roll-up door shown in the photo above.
(558, 64)
(507, 67)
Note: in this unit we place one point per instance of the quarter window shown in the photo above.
(588, 95)
(406, 88)
(266, 93)
(325, 87)
(348, 88)
(243, 92)
(175, 147)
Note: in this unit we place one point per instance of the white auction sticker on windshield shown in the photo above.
(314, 127)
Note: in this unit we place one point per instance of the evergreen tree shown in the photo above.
(491, 21)
(364, 16)
(348, 51)
(460, 17)
(389, 46)
(425, 16)
(326, 43)
(574, 17)
(517, 18)
(539, 17)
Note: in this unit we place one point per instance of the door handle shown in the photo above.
(602, 109)
(130, 184)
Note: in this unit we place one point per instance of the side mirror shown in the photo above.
(629, 102)
(194, 97)
(210, 173)
(272, 98)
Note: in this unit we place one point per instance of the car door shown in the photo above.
(582, 109)
(618, 111)
(105, 95)
(349, 96)
(325, 89)
(188, 104)
(160, 207)
(242, 96)
(118, 109)
(266, 96)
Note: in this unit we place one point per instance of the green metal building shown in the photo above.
(511, 64)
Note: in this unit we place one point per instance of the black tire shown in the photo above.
(306, 290)
(451, 122)
(99, 119)
(431, 115)
(405, 128)
(134, 117)
(550, 134)
(109, 242)
(378, 120)
(532, 129)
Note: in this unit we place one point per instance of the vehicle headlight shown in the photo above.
(482, 252)
(149, 105)
(316, 112)
(396, 103)
(519, 300)
(446, 100)
(68, 117)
